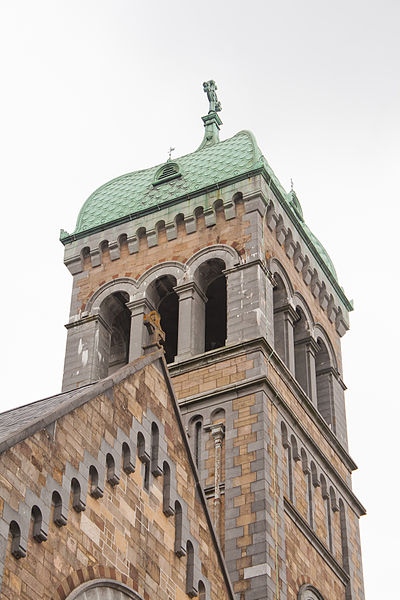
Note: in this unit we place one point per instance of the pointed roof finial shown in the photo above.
(211, 120)
(291, 184)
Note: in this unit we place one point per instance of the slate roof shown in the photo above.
(23, 417)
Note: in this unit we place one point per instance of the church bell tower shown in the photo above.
(253, 315)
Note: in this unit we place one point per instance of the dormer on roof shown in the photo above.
(170, 170)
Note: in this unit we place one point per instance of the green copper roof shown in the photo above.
(135, 192)
(220, 162)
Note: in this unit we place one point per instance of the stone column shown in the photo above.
(218, 433)
(305, 351)
(284, 320)
(191, 326)
(138, 335)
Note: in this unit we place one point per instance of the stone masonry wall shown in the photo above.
(124, 534)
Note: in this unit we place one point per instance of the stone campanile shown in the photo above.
(253, 315)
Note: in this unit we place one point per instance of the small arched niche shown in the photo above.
(163, 296)
(114, 344)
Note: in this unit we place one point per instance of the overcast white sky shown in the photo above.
(92, 89)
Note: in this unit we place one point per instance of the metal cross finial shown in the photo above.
(170, 151)
(211, 90)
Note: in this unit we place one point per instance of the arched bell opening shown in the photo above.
(323, 371)
(114, 347)
(165, 299)
(213, 282)
(302, 334)
(281, 321)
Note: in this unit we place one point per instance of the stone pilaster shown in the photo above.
(218, 433)
(191, 326)
(139, 335)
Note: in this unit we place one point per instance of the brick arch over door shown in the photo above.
(104, 589)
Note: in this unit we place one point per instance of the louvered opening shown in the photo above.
(168, 171)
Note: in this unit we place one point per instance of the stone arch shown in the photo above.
(276, 268)
(107, 589)
(309, 592)
(221, 251)
(170, 267)
(300, 303)
(122, 284)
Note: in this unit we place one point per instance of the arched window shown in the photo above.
(112, 477)
(202, 591)
(127, 464)
(95, 489)
(283, 326)
(211, 280)
(167, 506)
(304, 355)
(59, 518)
(145, 459)
(78, 503)
(328, 513)
(180, 550)
(38, 533)
(289, 464)
(195, 434)
(216, 321)
(190, 587)
(115, 334)
(165, 299)
(343, 537)
(155, 446)
(17, 550)
(324, 370)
